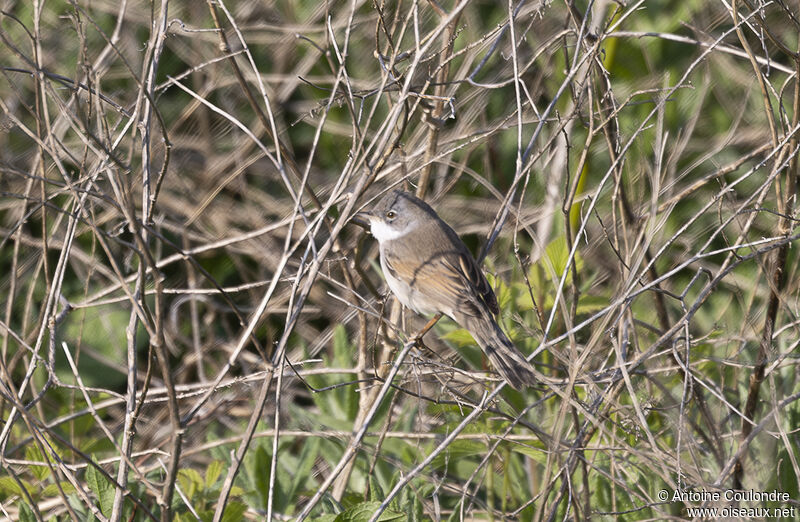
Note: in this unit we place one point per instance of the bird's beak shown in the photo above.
(362, 219)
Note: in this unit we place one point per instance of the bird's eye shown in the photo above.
(391, 214)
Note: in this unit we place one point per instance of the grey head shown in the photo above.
(397, 214)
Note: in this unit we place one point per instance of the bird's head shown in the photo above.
(395, 215)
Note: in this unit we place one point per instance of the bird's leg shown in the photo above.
(416, 339)
(418, 336)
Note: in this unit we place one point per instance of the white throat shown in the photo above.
(383, 232)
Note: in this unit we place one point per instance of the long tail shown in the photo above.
(502, 353)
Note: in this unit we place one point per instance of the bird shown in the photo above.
(431, 271)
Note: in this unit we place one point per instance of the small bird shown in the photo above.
(431, 271)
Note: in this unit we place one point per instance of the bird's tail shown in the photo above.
(502, 353)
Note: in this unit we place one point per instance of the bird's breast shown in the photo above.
(409, 296)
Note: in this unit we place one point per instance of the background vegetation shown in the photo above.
(191, 329)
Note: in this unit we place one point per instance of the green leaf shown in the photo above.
(234, 512)
(457, 450)
(460, 337)
(330, 505)
(79, 426)
(363, 512)
(102, 488)
(588, 304)
(546, 272)
(501, 290)
(330, 517)
(534, 453)
(102, 329)
(26, 513)
(32, 453)
(213, 471)
(413, 508)
(409, 504)
(375, 489)
(308, 457)
(9, 486)
(52, 489)
(190, 482)
(524, 300)
(261, 470)
(558, 255)
(342, 351)
(205, 515)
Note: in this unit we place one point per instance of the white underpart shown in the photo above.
(383, 232)
(410, 297)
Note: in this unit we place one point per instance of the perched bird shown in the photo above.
(431, 271)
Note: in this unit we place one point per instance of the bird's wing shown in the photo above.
(451, 279)
(477, 281)
(433, 277)
(463, 262)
